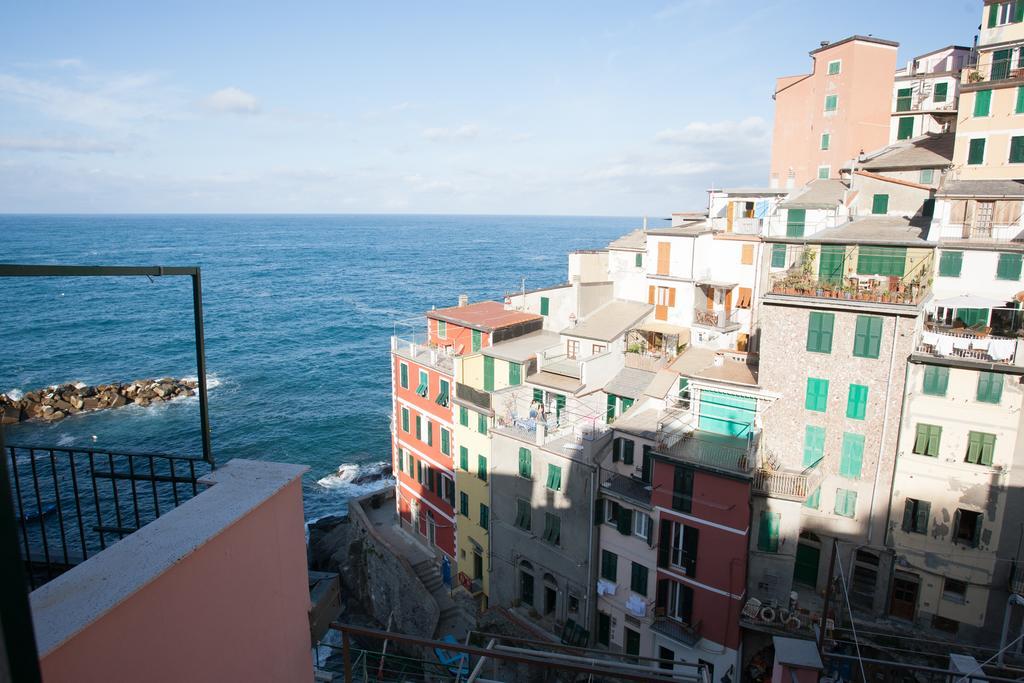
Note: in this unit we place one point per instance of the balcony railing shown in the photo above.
(982, 232)
(480, 399)
(70, 504)
(780, 484)
(652, 362)
(992, 70)
(720, 320)
(1017, 580)
(416, 348)
(951, 342)
(865, 288)
(733, 454)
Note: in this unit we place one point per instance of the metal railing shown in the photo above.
(779, 484)
(416, 348)
(992, 70)
(721, 320)
(652, 362)
(70, 504)
(963, 343)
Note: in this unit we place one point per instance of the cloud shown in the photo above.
(66, 145)
(466, 131)
(752, 129)
(109, 104)
(677, 8)
(232, 100)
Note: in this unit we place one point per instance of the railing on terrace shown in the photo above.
(965, 343)
(981, 71)
(70, 504)
(722, 320)
(481, 399)
(417, 348)
(721, 453)
(740, 226)
(1016, 580)
(983, 232)
(652, 362)
(780, 484)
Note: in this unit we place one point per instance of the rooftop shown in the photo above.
(485, 316)
(610, 321)
(520, 349)
(817, 194)
(859, 38)
(701, 362)
(550, 380)
(628, 488)
(934, 150)
(642, 423)
(636, 240)
(694, 229)
(874, 230)
(630, 382)
(982, 188)
(753, 191)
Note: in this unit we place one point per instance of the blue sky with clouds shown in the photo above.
(606, 108)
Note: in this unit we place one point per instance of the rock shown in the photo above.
(141, 401)
(10, 415)
(117, 401)
(54, 416)
(90, 403)
(76, 402)
(60, 404)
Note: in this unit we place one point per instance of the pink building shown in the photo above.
(827, 117)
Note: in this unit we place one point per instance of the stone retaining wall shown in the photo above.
(59, 401)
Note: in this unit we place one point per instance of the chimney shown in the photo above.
(463, 300)
(824, 43)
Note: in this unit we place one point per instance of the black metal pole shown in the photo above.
(204, 410)
(346, 655)
(22, 657)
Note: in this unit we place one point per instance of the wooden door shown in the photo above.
(806, 568)
(664, 257)
(904, 597)
(728, 216)
(728, 301)
(572, 348)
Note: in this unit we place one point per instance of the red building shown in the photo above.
(423, 379)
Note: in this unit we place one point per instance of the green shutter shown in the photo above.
(927, 177)
(476, 340)
(936, 380)
(768, 532)
(1001, 62)
(1008, 267)
(833, 67)
(904, 98)
(463, 504)
(881, 260)
(430, 433)
(403, 371)
(973, 316)
(990, 387)
(419, 428)
(993, 15)
(638, 579)
(823, 172)
(819, 332)
(538, 395)
(927, 440)
(825, 139)
(442, 329)
(609, 412)
(446, 446)
(1017, 149)
(813, 500)
(980, 447)
(814, 445)
(832, 263)
(485, 517)
(867, 339)
(405, 419)
(795, 219)
(464, 458)
(950, 263)
(846, 503)
(905, 129)
(554, 477)
(525, 463)
(852, 456)
(1020, 97)
(941, 91)
(444, 388)
(545, 305)
(831, 102)
(982, 102)
(778, 256)
(515, 374)
(464, 416)
(609, 566)
(481, 423)
(976, 152)
(857, 402)
(639, 261)
(816, 397)
(481, 467)
(1018, 12)
(488, 373)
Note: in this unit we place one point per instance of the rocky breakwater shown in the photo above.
(59, 401)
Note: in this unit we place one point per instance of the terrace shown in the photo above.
(972, 327)
(417, 348)
(517, 414)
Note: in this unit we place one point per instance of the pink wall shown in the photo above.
(233, 609)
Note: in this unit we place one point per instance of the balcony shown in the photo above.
(649, 361)
(985, 70)
(712, 451)
(723, 321)
(968, 343)
(517, 415)
(416, 348)
(596, 369)
(1016, 580)
(467, 394)
(686, 634)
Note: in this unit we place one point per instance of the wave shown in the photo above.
(212, 381)
(65, 440)
(14, 394)
(352, 481)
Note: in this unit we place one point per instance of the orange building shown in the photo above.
(827, 117)
(424, 379)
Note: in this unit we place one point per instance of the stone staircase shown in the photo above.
(453, 619)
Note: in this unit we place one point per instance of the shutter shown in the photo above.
(993, 15)
(488, 373)
(609, 416)
(934, 438)
(983, 102)
(908, 515)
(671, 297)
(664, 257)
(627, 453)
(599, 511)
(924, 511)
(545, 305)
(538, 395)
(686, 593)
(664, 544)
(976, 538)
(988, 446)
(650, 294)
(905, 130)
(956, 526)
(617, 449)
(624, 522)
(661, 602)
(1018, 12)
(747, 254)
(691, 541)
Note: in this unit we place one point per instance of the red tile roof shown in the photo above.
(483, 315)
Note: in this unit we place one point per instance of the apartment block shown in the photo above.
(926, 93)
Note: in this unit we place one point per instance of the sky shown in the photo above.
(578, 108)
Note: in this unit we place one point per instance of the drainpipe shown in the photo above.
(892, 483)
(1013, 600)
(885, 427)
(595, 473)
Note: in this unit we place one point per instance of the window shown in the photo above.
(525, 463)
(679, 599)
(609, 566)
(554, 477)
(954, 590)
(795, 219)
(852, 455)
(819, 332)
(857, 402)
(403, 375)
(816, 397)
(476, 340)
(834, 67)
(824, 172)
(405, 420)
(927, 440)
(481, 467)
(778, 256)
(419, 471)
(941, 92)
(485, 517)
(1019, 109)
(524, 514)
(604, 629)
(642, 525)
(464, 458)
(1008, 267)
(442, 329)
(682, 489)
(916, 514)
(622, 450)
(545, 305)
(683, 547)
(430, 433)
(990, 387)
(980, 447)
(825, 139)
(646, 464)
(463, 504)
(1017, 149)
(464, 416)
(768, 532)
(880, 204)
(976, 152)
(446, 441)
(552, 529)
(638, 579)
(936, 380)
(831, 103)
(846, 503)
(982, 102)
(639, 261)
(745, 295)
(515, 374)
(867, 338)
(950, 263)
(423, 388)
(904, 98)
(814, 445)
(488, 373)
(881, 260)
(419, 428)
(927, 176)
(967, 528)
(814, 500)
(481, 423)
(443, 391)
(747, 255)
(905, 128)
